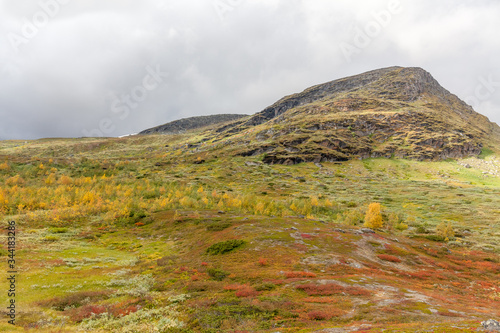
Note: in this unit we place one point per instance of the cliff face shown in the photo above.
(391, 112)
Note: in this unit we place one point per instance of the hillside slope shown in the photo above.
(128, 235)
(192, 123)
(390, 112)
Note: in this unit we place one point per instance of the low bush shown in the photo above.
(225, 247)
(198, 286)
(87, 311)
(263, 262)
(321, 289)
(435, 238)
(58, 230)
(324, 315)
(246, 291)
(238, 313)
(74, 300)
(291, 275)
(217, 274)
(143, 320)
(356, 291)
(388, 257)
(50, 239)
(268, 286)
(218, 226)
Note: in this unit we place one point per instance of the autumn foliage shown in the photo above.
(373, 217)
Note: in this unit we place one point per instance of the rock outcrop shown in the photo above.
(491, 325)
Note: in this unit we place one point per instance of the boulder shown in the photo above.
(491, 325)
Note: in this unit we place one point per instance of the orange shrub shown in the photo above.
(357, 291)
(320, 300)
(321, 289)
(246, 291)
(291, 275)
(242, 290)
(388, 257)
(86, 311)
(263, 262)
(324, 315)
(422, 275)
(233, 287)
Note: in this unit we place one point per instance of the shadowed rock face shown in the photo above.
(187, 124)
(390, 112)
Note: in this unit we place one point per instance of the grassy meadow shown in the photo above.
(157, 234)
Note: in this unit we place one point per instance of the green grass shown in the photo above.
(242, 285)
(485, 152)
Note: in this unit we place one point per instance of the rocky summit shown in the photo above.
(391, 112)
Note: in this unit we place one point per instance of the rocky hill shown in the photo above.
(390, 112)
(187, 124)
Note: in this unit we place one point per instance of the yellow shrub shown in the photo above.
(163, 203)
(51, 179)
(89, 197)
(16, 180)
(185, 202)
(445, 230)
(259, 208)
(65, 180)
(3, 200)
(352, 217)
(4, 166)
(236, 203)
(220, 205)
(373, 217)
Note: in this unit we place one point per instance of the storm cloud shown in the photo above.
(72, 68)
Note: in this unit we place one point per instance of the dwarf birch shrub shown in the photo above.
(373, 217)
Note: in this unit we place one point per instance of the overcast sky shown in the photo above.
(72, 68)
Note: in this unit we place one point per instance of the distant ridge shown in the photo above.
(187, 124)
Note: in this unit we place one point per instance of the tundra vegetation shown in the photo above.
(128, 235)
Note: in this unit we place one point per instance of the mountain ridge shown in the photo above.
(396, 111)
(191, 123)
(390, 112)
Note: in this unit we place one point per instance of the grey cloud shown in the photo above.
(65, 80)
